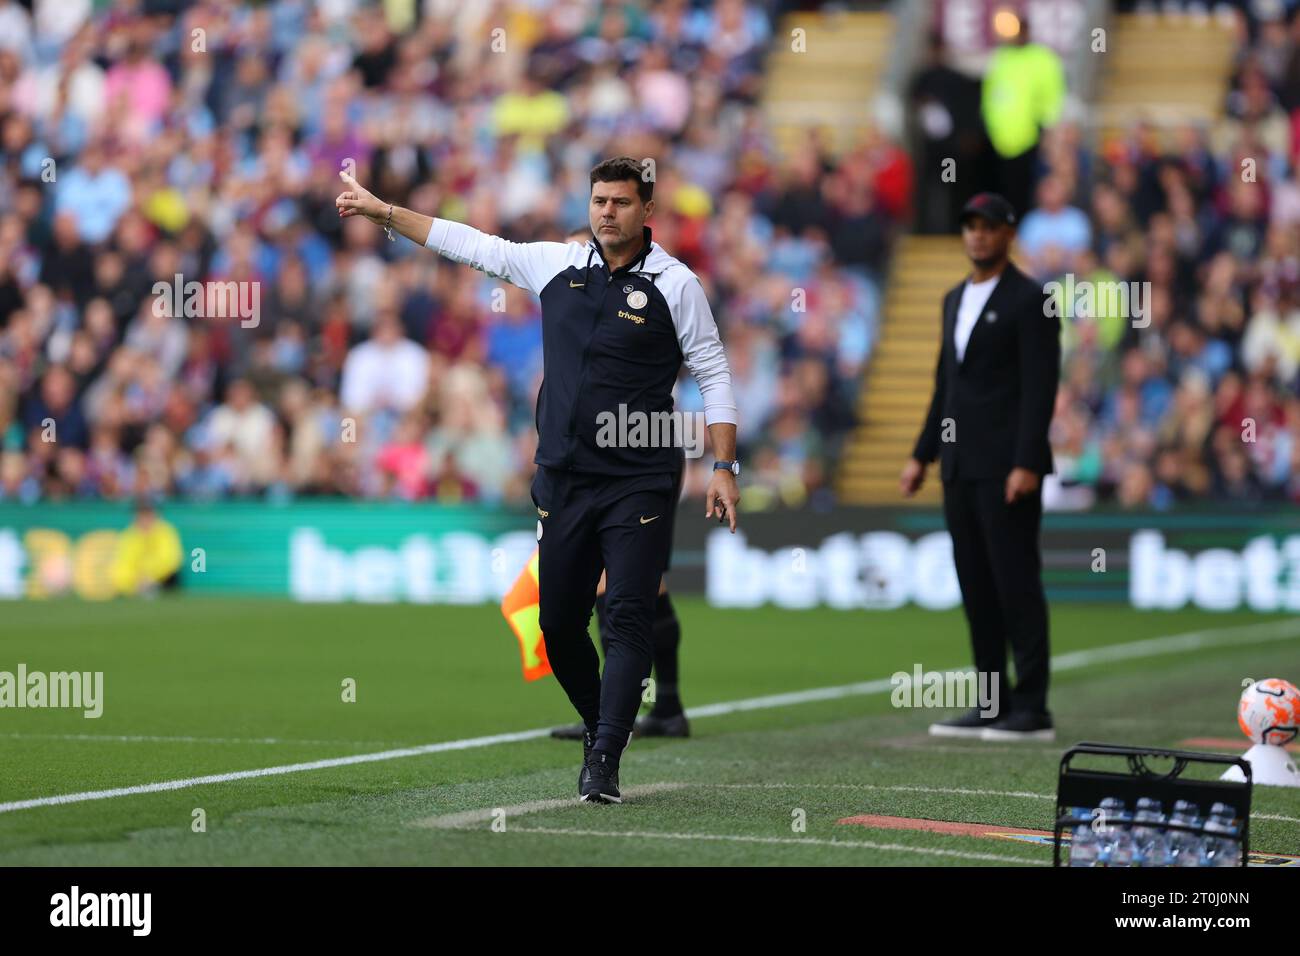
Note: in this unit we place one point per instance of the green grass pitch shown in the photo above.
(197, 687)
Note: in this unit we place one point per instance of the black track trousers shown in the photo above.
(623, 524)
(995, 547)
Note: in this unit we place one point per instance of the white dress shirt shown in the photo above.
(974, 296)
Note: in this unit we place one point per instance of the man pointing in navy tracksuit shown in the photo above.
(619, 316)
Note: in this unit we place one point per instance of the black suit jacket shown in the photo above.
(1000, 397)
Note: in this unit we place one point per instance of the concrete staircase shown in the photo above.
(1165, 69)
(829, 87)
(896, 391)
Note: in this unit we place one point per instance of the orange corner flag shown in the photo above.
(522, 609)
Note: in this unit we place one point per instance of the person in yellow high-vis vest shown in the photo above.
(1023, 94)
(148, 555)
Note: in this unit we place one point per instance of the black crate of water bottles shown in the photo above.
(1154, 812)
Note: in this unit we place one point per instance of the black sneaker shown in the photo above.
(969, 724)
(569, 732)
(1021, 725)
(599, 780)
(588, 742)
(675, 725)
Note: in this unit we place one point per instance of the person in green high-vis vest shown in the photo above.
(1023, 93)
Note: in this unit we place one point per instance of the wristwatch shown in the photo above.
(731, 466)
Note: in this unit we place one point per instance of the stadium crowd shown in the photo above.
(141, 147)
(1179, 380)
(1189, 391)
(144, 147)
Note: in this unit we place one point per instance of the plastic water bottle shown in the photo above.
(1151, 842)
(1185, 848)
(1083, 846)
(1222, 840)
(1115, 841)
(1124, 851)
(1083, 842)
(1114, 833)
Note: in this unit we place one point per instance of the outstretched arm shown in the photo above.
(356, 200)
(529, 265)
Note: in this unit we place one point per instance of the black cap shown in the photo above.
(991, 206)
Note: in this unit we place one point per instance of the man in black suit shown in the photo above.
(994, 391)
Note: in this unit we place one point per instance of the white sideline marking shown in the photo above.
(786, 841)
(465, 818)
(1177, 643)
(1152, 647)
(164, 785)
(154, 738)
(1274, 816)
